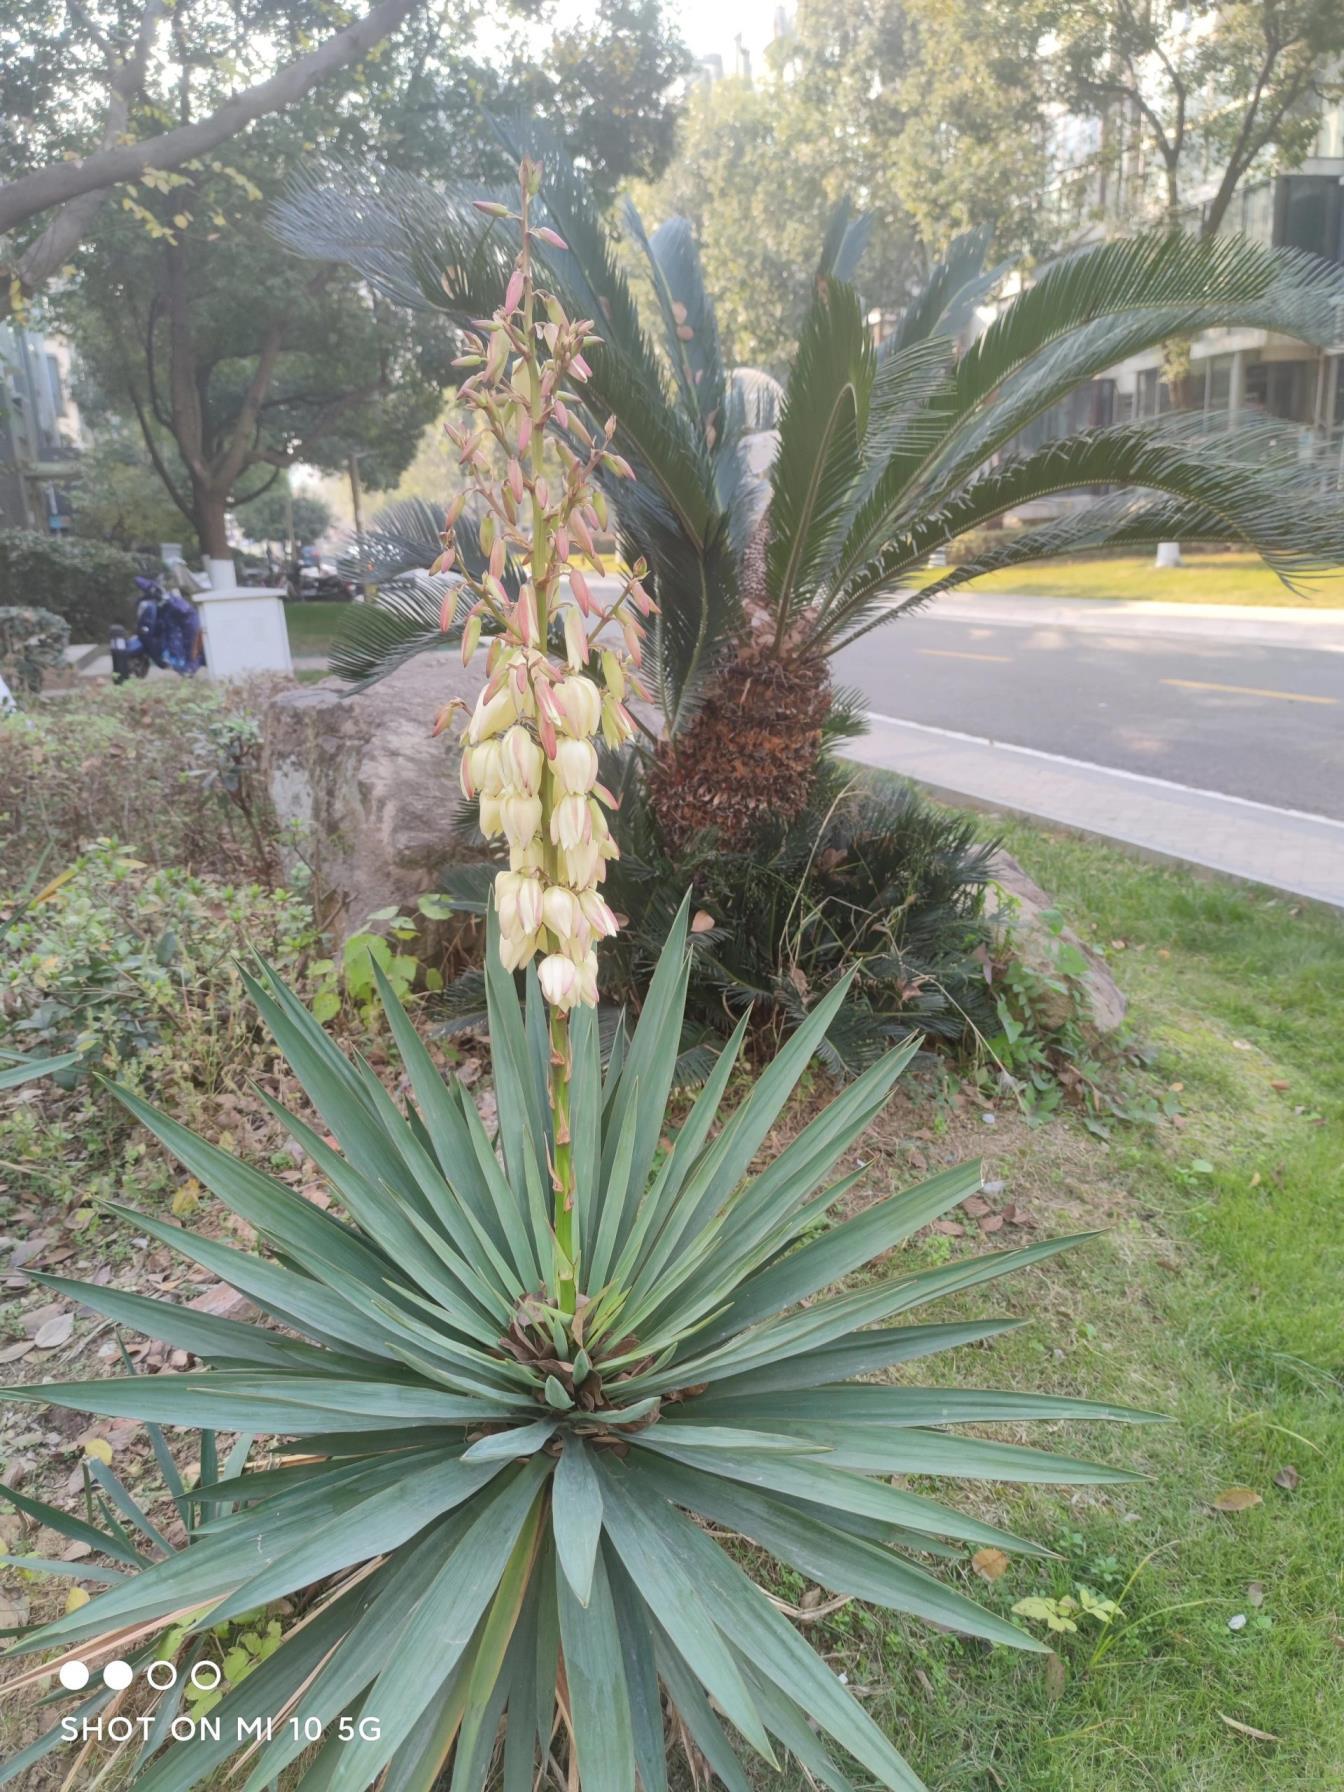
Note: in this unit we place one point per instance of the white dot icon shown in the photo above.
(118, 1675)
(74, 1675)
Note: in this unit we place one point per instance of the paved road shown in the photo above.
(1249, 706)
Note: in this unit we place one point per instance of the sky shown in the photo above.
(710, 26)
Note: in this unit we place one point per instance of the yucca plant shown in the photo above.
(487, 1507)
(506, 1379)
(119, 1535)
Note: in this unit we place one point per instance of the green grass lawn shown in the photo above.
(313, 627)
(1216, 1295)
(1204, 579)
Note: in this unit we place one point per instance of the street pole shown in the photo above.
(357, 504)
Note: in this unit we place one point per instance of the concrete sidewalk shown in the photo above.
(1317, 630)
(1282, 848)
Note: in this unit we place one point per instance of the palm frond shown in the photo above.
(823, 423)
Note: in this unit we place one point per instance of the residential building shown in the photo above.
(39, 428)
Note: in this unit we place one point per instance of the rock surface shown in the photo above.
(1017, 903)
(369, 794)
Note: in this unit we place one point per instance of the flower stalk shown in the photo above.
(554, 687)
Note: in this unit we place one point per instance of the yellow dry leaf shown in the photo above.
(989, 1564)
(75, 1598)
(1236, 1499)
(99, 1449)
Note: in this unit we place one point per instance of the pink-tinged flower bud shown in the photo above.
(562, 915)
(516, 950)
(571, 823)
(583, 597)
(575, 766)
(522, 761)
(447, 610)
(643, 602)
(561, 415)
(497, 559)
(581, 535)
(560, 981)
(453, 514)
(524, 431)
(492, 715)
(516, 481)
(634, 646)
(580, 368)
(544, 234)
(580, 705)
(619, 465)
(520, 816)
(471, 638)
(514, 292)
(576, 639)
(542, 493)
(491, 824)
(525, 615)
(491, 207)
(588, 980)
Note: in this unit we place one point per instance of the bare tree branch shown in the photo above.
(60, 183)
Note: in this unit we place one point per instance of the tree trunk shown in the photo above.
(210, 505)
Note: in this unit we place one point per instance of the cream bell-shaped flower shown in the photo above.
(580, 705)
(571, 824)
(483, 769)
(575, 766)
(523, 760)
(588, 980)
(565, 919)
(560, 981)
(576, 639)
(491, 823)
(598, 915)
(518, 898)
(529, 857)
(492, 715)
(516, 950)
(520, 816)
(582, 866)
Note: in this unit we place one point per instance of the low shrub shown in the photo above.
(88, 584)
(134, 969)
(31, 643)
(172, 770)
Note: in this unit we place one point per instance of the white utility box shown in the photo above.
(243, 626)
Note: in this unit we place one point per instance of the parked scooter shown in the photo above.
(167, 634)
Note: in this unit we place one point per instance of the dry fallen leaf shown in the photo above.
(12, 1352)
(75, 1598)
(1255, 1593)
(55, 1332)
(1287, 1478)
(1236, 1499)
(99, 1449)
(990, 1564)
(1248, 1730)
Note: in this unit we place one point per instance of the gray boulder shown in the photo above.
(368, 795)
(1017, 905)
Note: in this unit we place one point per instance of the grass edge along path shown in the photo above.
(1216, 1296)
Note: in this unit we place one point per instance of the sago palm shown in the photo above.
(884, 454)
(488, 1513)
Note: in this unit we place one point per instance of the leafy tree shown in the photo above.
(118, 496)
(125, 88)
(315, 365)
(271, 516)
(926, 115)
(1216, 92)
